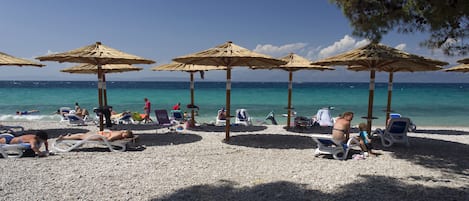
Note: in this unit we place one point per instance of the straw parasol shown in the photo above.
(229, 55)
(391, 69)
(97, 54)
(377, 57)
(108, 68)
(294, 63)
(463, 67)
(191, 69)
(8, 60)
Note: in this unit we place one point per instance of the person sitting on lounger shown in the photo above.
(35, 140)
(110, 135)
(222, 114)
(341, 129)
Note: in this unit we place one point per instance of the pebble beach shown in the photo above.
(258, 163)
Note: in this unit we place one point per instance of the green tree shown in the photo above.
(447, 21)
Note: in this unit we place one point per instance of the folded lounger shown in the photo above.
(326, 145)
(96, 139)
(13, 150)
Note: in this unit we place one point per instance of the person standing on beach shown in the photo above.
(341, 129)
(147, 110)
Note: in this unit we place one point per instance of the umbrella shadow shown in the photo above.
(271, 141)
(451, 157)
(384, 188)
(442, 132)
(212, 128)
(170, 138)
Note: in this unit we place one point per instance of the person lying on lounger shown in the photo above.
(110, 135)
(35, 140)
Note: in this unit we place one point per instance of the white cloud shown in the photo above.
(344, 44)
(401, 46)
(277, 51)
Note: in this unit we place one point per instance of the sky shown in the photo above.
(161, 30)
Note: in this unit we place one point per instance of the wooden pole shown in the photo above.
(100, 96)
(370, 100)
(104, 89)
(388, 107)
(290, 86)
(192, 100)
(228, 99)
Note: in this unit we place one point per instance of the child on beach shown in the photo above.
(365, 142)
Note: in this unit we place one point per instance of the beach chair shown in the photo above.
(63, 111)
(126, 118)
(13, 150)
(96, 139)
(395, 132)
(163, 119)
(74, 119)
(323, 117)
(326, 145)
(242, 117)
(218, 121)
(177, 115)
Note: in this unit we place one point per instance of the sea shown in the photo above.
(427, 104)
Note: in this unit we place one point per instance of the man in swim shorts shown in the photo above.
(35, 140)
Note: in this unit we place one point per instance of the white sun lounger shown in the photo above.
(326, 145)
(13, 150)
(96, 139)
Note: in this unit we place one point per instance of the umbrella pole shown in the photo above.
(290, 86)
(104, 89)
(370, 100)
(228, 99)
(192, 100)
(100, 97)
(388, 107)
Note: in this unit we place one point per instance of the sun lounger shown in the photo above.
(96, 139)
(163, 120)
(218, 121)
(326, 145)
(13, 150)
(395, 132)
(242, 117)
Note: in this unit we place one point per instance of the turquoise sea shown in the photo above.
(427, 104)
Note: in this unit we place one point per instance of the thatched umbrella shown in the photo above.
(97, 54)
(463, 67)
(294, 63)
(191, 69)
(229, 55)
(108, 68)
(8, 60)
(376, 57)
(391, 69)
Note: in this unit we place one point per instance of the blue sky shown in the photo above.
(163, 29)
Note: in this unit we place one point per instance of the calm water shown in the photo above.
(426, 104)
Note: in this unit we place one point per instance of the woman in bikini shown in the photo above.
(341, 129)
(110, 135)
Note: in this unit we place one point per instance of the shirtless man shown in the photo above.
(110, 135)
(34, 140)
(341, 129)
